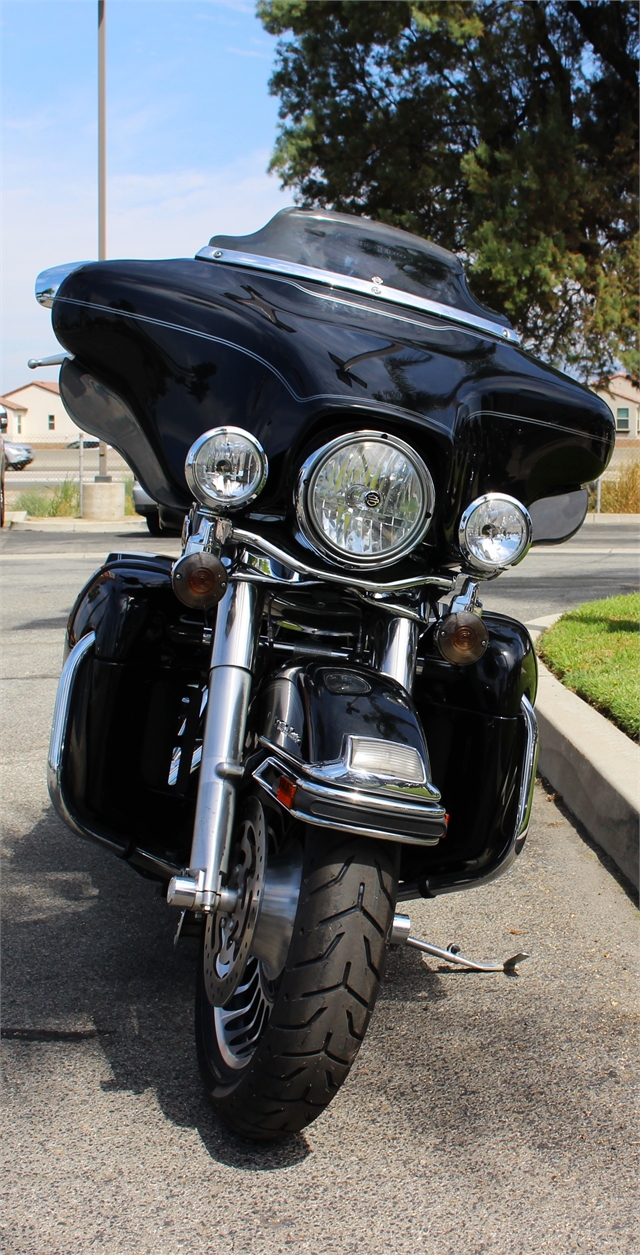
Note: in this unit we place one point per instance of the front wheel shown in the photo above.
(277, 1052)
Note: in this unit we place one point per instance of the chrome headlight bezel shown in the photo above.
(494, 498)
(315, 536)
(208, 500)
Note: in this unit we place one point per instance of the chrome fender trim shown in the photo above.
(48, 281)
(350, 809)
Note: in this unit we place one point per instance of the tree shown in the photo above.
(505, 130)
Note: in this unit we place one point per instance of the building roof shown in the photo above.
(12, 405)
(619, 385)
(34, 383)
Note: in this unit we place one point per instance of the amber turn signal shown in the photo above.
(461, 638)
(199, 580)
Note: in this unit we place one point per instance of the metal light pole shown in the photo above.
(102, 475)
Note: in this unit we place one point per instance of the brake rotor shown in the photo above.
(228, 938)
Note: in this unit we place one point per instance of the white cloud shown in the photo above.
(165, 215)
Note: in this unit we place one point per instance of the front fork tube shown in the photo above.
(397, 651)
(232, 659)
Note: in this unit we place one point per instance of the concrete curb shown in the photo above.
(595, 769)
(130, 523)
(592, 517)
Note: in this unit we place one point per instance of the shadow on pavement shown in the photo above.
(88, 952)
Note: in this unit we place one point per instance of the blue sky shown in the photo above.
(189, 133)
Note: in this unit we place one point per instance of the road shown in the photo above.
(601, 561)
(486, 1115)
(53, 466)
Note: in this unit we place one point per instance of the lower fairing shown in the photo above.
(125, 747)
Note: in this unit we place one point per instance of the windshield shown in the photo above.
(362, 249)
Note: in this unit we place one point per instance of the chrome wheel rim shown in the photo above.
(228, 937)
(240, 1024)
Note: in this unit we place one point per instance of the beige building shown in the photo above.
(37, 416)
(623, 399)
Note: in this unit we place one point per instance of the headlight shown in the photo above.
(226, 468)
(365, 499)
(495, 532)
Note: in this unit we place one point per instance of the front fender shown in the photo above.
(347, 752)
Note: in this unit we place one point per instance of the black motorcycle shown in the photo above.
(306, 719)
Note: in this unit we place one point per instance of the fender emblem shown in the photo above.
(287, 730)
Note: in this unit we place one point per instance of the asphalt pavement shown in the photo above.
(600, 561)
(486, 1114)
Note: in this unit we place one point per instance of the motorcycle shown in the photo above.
(307, 720)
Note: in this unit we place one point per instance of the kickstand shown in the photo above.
(451, 955)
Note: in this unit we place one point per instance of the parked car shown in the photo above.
(86, 444)
(17, 455)
(160, 520)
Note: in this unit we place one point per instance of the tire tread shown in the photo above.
(337, 958)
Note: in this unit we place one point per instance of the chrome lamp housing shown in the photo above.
(226, 468)
(364, 499)
(495, 532)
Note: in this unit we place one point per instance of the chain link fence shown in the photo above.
(48, 481)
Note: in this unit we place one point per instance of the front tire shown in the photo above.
(310, 1023)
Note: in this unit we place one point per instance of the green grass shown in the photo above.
(43, 503)
(595, 651)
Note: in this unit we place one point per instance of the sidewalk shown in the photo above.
(19, 522)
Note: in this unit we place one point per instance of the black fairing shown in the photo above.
(476, 736)
(165, 350)
(147, 673)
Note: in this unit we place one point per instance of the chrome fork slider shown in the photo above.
(233, 652)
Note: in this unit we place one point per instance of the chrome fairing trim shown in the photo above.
(289, 269)
(266, 547)
(57, 745)
(523, 815)
(48, 281)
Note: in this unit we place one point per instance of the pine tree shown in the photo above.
(505, 130)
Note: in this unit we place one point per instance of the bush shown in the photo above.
(129, 507)
(595, 651)
(620, 495)
(43, 503)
